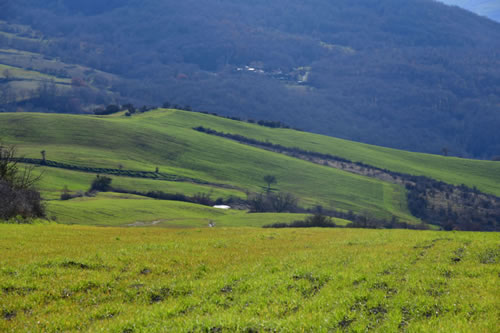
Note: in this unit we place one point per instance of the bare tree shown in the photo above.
(283, 202)
(18, 196)
(8, 162)
(10, 171)
(257, 202)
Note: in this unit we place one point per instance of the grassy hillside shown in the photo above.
(111, 268)
(165, 139)
(485, 175)
(110, 209)
(78, 278)
(54, 180)
(133, 211)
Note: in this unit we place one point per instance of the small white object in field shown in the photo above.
(222, 207)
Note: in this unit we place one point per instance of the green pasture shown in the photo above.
(164, 139)
(54, 180)
(56, 278)
(109, 209)
(485, 175)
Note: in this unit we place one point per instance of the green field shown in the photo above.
(485, 175)
(165, 139)
(53, 180)
(119, 262)
(109, 209)
(75, 278)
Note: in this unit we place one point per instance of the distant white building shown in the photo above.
(222, 207)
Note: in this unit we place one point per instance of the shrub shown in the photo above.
(320, 220)
(272, 202)
(101, 184)
(24, 202)
(317, 220)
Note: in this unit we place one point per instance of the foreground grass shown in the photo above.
(61, 278)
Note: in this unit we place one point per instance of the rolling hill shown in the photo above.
(130, 148)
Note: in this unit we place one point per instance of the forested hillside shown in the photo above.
(413, 74)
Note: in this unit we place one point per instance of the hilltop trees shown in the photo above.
(18, 196)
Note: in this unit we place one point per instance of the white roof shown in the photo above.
(222, 207)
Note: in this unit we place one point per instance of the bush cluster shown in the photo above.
(272, 202)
